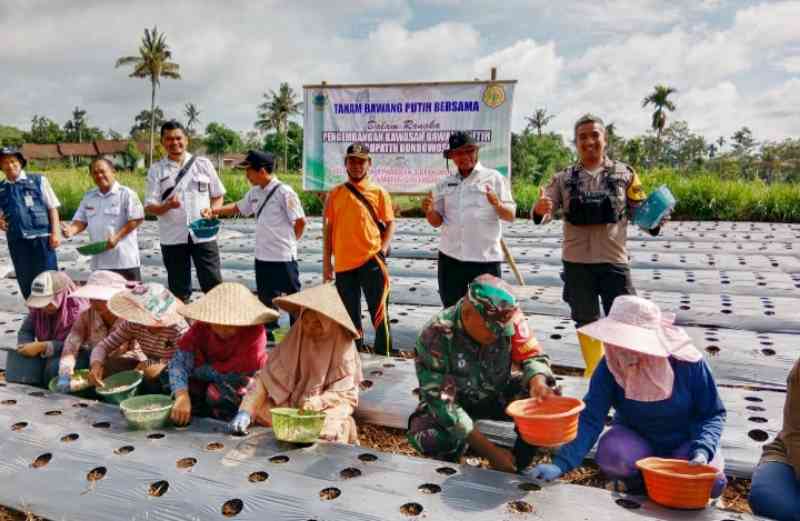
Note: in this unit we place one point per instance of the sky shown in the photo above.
(733, 63)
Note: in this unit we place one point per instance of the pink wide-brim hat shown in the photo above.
(101, 285)
(637, 324)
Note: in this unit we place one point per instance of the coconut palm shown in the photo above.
(539, 120)
(192, 116)
(153, 63)
(659, 98)
(274, 113)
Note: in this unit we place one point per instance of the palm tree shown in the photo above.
(539, 120)
(274, 113)
(659, 98)
(153, 63)
(76, 125)
(192, 116)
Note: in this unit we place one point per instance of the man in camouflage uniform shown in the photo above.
(598, 197)
(472, 359)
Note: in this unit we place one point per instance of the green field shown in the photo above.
(701, 197)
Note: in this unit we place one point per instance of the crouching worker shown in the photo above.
(315, 367)
(468, 362)
(51, 316)
(662, 390)
(151, 326)
(217, 358)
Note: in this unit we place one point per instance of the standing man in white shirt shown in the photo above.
(280, 222)
(469, 206)
(111, 212)
(182, 188)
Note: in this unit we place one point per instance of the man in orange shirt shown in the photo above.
(359, 225)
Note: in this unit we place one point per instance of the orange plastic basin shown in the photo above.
(549, 423)
(676, 484)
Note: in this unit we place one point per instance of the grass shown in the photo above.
(702, 197)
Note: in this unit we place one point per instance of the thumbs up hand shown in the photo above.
(544, 205)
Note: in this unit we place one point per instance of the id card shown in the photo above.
(29, 201)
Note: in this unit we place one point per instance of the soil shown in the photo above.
(520, 507)
(232, 507)
(411, 509)
(329, 493)
(186, 463)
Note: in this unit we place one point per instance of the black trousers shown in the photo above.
(31, 257)
(367, 278)
(130, 274)
(178, 260)
(587, 284)
(274, 279)
(455, 275)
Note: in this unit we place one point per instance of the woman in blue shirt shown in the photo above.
(664, 396)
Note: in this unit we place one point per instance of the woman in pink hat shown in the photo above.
(662, 390)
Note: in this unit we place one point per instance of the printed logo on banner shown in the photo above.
(319, 100)
(494, 95)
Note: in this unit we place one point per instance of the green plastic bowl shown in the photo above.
(93, 248)
(148, 411)
(205, 228)
(83, 374)
(119, 387)
(296, 426)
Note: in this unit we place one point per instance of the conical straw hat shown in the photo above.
(230, 304)
(323, 299)
(149, 304)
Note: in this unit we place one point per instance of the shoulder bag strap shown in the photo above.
(260, 208)
(168, 192)
(381, 226)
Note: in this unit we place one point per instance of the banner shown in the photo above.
(406, 128)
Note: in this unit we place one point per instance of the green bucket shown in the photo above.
(119, 387)
(296, 426)
(80, 382)
(94, 248)
(148, 411)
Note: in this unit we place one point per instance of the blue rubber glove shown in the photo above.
(240, 423)
(698, 458)
(62, 385)
(544, 471)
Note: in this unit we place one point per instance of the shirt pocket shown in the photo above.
(477, 204)
(202, 183)
(112, 211)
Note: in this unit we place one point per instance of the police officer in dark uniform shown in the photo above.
(597, 196)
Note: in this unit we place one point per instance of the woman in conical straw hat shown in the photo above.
(664, 396)
(219, 355)
(316, 367)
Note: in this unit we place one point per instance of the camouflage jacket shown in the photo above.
(458, 377)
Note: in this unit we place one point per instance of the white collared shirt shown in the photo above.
(198, 186)
(106, 214)
(471, 229)
(275, 239)
(48, 196)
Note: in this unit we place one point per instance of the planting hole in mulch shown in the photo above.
(758, 435)
(555, 336)
(388, 365)
(350, 473)
(19, 426)
(757, 419)
(186, 463)
(520, 507)
(214, 446)
(753, 399)
(367, 458)
(755, 408)
(36, 394)
(70, 437)
(529, 487)
(258, 477)
(53, 413)
(768, 352)
(279, 459)
(42, 460)
(96, 474)
(447, 471)
(365, 384)
(156, 436)
(158, 488)
(232, 507)
(329, 493)
(712, 350)
(376, 373)
(101, 425)
(429, 488)
(80, 405)
(628, 503)
(125, 449)
(411, 509)
(8, 402)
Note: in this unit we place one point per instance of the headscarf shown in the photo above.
(495, 303)
(57, 326)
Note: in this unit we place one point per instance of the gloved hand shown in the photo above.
(544, 471)
(698, 458)
(206, 373)
(240, 423)
(62, 385)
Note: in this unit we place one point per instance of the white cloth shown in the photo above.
(194, 192)
(275, 239)
(471, 229)
(104, 215)
(48, 196)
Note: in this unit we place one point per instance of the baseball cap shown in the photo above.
(45, 287)
(359, 150)
(257, 159)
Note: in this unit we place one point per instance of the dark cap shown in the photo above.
(359, 150)
(257, 160)
(11, 151)
(460, 139)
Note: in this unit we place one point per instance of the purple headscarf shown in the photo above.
(58, 325)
